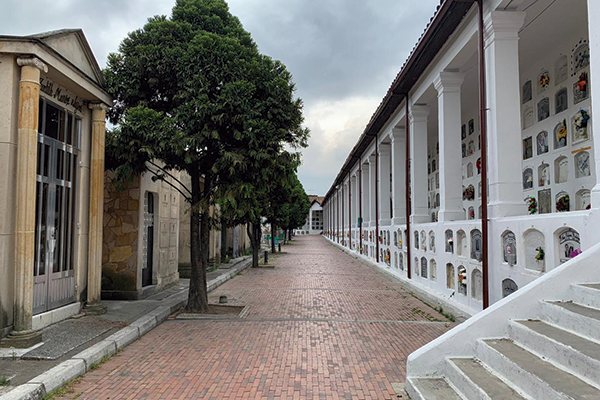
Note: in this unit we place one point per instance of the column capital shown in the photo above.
(449, 81)
(385, 149)
(372, 159)
(98, 106)
(419, 113)
(32, 62)
(503, 25)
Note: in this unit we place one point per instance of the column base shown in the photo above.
(95, 309)
(451, 215)
(506, 209)
(399, 221)
(420, 219)
(21, 339)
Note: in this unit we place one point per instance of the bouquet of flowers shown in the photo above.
(540, 255)
(462, 278)
(532, 205)
(563, 204)
(575, 253)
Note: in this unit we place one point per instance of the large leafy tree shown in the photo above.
(193, 92)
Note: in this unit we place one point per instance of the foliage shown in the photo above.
(193, 92)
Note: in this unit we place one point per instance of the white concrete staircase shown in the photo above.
(553, 355)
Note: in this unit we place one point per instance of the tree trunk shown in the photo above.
(273, 238)
(199, 235)
(255, 243)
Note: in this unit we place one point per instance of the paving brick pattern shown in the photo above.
(321, 325)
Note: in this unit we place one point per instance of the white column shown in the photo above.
(372, 188)
(418, 170)
(504, 116)
(594, 32)
(385, 217)
(449, 121)
(366, 213)
(399, 175)
(354, 201)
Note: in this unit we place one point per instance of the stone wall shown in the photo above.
(120, 238)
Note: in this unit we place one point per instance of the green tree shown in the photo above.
(193, 92)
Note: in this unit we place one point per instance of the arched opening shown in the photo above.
(450, 278)
(433, 270)
(508, 287)
(432, 241)
(535, 250)
(476, 245)
(461, 250)
(509, 248)
(449, 241)
(462, 280)
(424, 273)
(476, 285)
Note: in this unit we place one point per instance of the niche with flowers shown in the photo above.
(462, 280)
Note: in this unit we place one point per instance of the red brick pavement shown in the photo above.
(321, 325)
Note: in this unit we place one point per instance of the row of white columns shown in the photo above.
(505, 195)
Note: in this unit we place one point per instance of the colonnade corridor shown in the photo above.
(319, 325)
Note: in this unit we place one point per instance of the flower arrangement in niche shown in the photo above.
(462, 278)
(575, 253)
(540, 254)
(563, 204)
(532, 205)
(387, 257)
(469, 193)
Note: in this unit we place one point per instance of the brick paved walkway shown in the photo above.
(321, 325)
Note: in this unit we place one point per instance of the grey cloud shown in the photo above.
(336, 49)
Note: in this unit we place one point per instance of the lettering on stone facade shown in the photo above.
(60, 94)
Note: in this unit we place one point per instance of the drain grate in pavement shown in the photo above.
(61, 338)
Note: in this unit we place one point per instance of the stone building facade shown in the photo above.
(140, 242)
(52, 126)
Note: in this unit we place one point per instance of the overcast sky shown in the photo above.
(343, 54)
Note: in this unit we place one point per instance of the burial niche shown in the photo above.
(584, 200)
(424, 273)
(423, 241)
(535, 250)
(462, 244)
(462, 280)
(543, 175)
(432, 241)
(560, 135)
(433, 270)
(476, 285)
(449, 241)
(509, 248)
(582, 164)
(569, 244)
(450, 279)
(542, 143)
(563, 202)
(508, 287)
(416, 268)
(416, 239)
(528, 178)
(561, 169)
(476, 245)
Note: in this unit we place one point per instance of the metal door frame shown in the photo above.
(46, 285)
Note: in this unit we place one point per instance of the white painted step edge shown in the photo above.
(585, 295)
(412, 390)
(470, 389)
(570, 321)
(584, 367)
(521, 380)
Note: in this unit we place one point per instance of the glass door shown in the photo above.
(54, 278)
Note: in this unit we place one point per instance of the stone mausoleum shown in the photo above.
(52, 127)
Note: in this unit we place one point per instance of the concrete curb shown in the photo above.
(83, 362)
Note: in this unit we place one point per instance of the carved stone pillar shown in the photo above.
(23, 335)
(94, 285)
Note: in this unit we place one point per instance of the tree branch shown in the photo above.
(187, 198)
(166, 172)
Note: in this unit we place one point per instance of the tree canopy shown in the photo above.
(193, 92)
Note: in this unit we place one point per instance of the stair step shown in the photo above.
(558, 380)
(587, 294)
(494, 387)
(430, 389)
(576, 353)
(573, 317)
